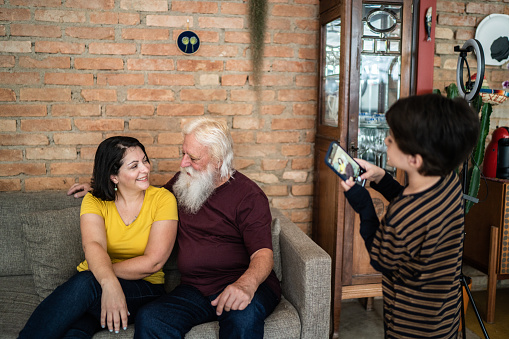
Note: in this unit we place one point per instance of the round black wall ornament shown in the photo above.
(188, 42)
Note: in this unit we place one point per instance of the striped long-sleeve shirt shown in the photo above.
(418, 248)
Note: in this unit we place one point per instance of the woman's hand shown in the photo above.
(373, 173)
(114, 311)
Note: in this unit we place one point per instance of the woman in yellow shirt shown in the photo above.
(128, 230)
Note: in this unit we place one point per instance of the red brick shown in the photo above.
(105, 18)
(150, 65)
(230, 109)
(51, 153)
(297, 95)
(275, 190)
(15, 46)
(278, 24)
(70, 168)
(91, 4)
(71, 79)
(202, 95)
(233, 79)
(250, 95)
(305, 109)
(120, 79)
(290, 203)
(77, 138)
(272, 109)
(49, 62)
(180, 109)
(145, 138)
(99, 124)
(11, 155)
(278, 52)
(294, 66)
(36, 31)
(160, 49)
(237, 37)
(241, 164)
(273, 164)
(302, 164)
(149, 94)
(199, 65)
(295, 150)
(247, 123)
(294, 11)
(111, 48)
(128, 18)
(59, 47)
(295, 38)
(7, 185)
(155, 124)
(7, 61)
(99, 63)
(22, 110)
(48, 183)
(277, 137)
(238, 65)
(60, 16)
(255, 151)
(296, 176)
(168, 138)
(308, 25)
(451, 7)
(308, 53)
(45, 94)
(145, 34)
(162, 152)
(13, 169)
(46, 125)
(456, 20)
(7, 94)
(100, 33)
(169, 21)
(18, 14)
(201, 7)
(8, 125)
(218, 22)
(76, 110)
(99, 94)
(274, 80)
(485, 8)
(233, 8)
(144, 5)
(222, 51)
(291, 124)
(129, 110)
(170, 79)
(2, 30)
(306, 81)
(19, 78)
(242, 136)
(36, 3)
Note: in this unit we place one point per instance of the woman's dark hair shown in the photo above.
(108, 160)
(441, 130)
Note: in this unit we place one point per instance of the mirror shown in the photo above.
(381, 21)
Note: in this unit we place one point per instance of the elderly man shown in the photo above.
(225, 247)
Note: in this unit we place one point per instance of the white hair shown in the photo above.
(216, 136)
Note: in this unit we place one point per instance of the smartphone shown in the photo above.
(343, 164)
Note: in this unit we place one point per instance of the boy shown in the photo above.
(418, 246)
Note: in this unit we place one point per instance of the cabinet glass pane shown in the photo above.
(330, 81)
(380, 78)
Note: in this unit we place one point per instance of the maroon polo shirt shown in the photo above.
(216, 243)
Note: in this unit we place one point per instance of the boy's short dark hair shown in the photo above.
(108, 160)
(441, 130)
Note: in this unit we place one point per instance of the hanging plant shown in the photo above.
(257, 25)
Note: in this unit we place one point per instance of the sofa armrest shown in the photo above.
(306, 281)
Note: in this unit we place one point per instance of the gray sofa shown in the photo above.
(40, 247)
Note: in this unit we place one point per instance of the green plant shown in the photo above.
(474, 173)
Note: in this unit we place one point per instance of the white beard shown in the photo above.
(192, 191)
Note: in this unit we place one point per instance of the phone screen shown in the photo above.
(343, 164)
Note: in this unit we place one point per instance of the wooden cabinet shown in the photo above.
(365, 66)
(486, 236)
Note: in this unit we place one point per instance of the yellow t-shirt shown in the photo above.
(125, 242)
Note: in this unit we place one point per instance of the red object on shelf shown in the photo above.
(491, 155)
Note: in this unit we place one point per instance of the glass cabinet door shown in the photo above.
(330, 74)
(380, 78)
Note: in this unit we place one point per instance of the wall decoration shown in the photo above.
(188, 42)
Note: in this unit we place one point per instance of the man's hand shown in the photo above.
(79, 190)
(236, 297)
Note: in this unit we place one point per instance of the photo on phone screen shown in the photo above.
(343, 164)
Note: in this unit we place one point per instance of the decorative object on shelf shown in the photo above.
(493, 34)
(188, 41)
(427, 23)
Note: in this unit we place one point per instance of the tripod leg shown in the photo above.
(483, 328)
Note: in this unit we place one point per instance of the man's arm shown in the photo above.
(79, 190)
(239, 294)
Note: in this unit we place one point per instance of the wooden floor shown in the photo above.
(500, 328)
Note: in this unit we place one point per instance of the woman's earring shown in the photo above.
(115, 187)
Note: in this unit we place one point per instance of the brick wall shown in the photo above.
(457, 22)
(74, 72)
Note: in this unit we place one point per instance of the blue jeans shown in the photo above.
(73, 310)
(174, 314)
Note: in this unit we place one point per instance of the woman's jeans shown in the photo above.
(174, 314)
(73, 310)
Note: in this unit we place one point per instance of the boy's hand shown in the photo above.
(347, 184)
(373, 173)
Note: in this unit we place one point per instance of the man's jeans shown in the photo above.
(174, 314)
(73, 310)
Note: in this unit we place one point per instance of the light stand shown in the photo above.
(469, 93)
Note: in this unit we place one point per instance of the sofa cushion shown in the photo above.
(276, 229)
(53, 243)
